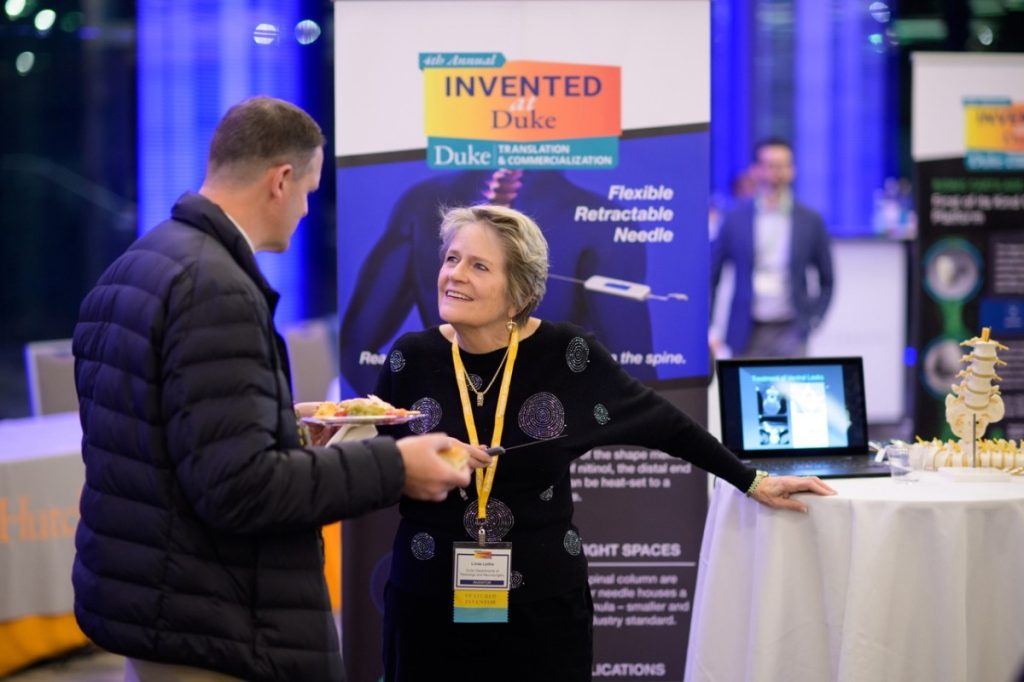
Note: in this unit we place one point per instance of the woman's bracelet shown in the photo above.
(760, 476)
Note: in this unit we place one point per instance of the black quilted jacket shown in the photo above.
(199, 540)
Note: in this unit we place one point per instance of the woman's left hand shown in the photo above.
(775, 491)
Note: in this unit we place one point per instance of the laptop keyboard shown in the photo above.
(798, 466)
(814, 464)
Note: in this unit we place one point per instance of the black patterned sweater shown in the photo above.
(566, 385)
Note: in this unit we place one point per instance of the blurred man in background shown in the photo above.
(772, 241)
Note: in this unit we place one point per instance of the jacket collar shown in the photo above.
(199, 212)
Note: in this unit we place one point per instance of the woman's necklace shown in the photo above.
(480, 394)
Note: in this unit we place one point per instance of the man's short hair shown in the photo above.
(261, 132)
(773, 141)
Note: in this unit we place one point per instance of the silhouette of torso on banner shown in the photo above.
(401, 270)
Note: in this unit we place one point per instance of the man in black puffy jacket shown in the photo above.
(199, 548)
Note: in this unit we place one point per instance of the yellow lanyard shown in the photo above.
(485, 481)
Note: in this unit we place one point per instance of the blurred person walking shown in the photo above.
(772, 240)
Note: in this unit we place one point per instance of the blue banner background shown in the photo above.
(367, 200)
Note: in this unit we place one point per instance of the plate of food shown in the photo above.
(368, 410)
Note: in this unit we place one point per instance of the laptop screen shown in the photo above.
(790, 407)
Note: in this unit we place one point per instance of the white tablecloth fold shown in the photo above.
(882, 582)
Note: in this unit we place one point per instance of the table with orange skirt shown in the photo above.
(41, 477)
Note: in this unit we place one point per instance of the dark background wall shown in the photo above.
(69, 110)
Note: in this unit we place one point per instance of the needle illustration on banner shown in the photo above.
(620, 287)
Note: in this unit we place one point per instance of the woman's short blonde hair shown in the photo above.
(526, 251)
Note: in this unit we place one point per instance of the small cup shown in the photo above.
(900, 466)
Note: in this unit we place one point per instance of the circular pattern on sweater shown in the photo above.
(577, 355)
(396, 361)
(477, 381)
(498, 523)
(431, 410)
(601, 415)
(547, 493)
(516, 581)
(572, 542)
(423, 546)
(542, 416)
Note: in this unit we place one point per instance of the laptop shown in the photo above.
(797, 416)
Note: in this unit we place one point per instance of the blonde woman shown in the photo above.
(495, 375)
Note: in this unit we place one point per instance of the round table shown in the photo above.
(884, 581)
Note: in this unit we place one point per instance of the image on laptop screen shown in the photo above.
(793, 406)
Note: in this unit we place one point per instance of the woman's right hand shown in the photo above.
(478, 457)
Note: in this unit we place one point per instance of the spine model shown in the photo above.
(975, 401)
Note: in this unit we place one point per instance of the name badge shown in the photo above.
(767, 284)
(482, 579)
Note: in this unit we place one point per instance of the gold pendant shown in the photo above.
(479, 399)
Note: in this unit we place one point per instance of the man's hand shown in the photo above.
(427, 476)
(717, 346)
(775, 491)
(319, 434)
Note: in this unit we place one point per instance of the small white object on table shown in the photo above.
(880, 582)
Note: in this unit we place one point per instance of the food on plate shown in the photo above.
(370, 406)
(457, 456)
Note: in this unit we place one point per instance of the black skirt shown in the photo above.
(548, 639)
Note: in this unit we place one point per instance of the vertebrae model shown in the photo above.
(976, 399)
(973, 405)
(1000, 453)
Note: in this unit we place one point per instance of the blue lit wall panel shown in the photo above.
(819, 74)
(195, 59)
(814, 126)
(731, 130)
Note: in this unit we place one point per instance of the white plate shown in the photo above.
(376, 419)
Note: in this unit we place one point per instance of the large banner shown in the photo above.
(968, 112)
(593, 118)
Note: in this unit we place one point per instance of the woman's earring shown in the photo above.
(510, 325)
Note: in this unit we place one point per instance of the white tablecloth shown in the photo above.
(921, 582)
(41, 476)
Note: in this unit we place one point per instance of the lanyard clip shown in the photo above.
(481, 536)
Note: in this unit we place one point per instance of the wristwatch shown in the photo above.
(760, 476)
